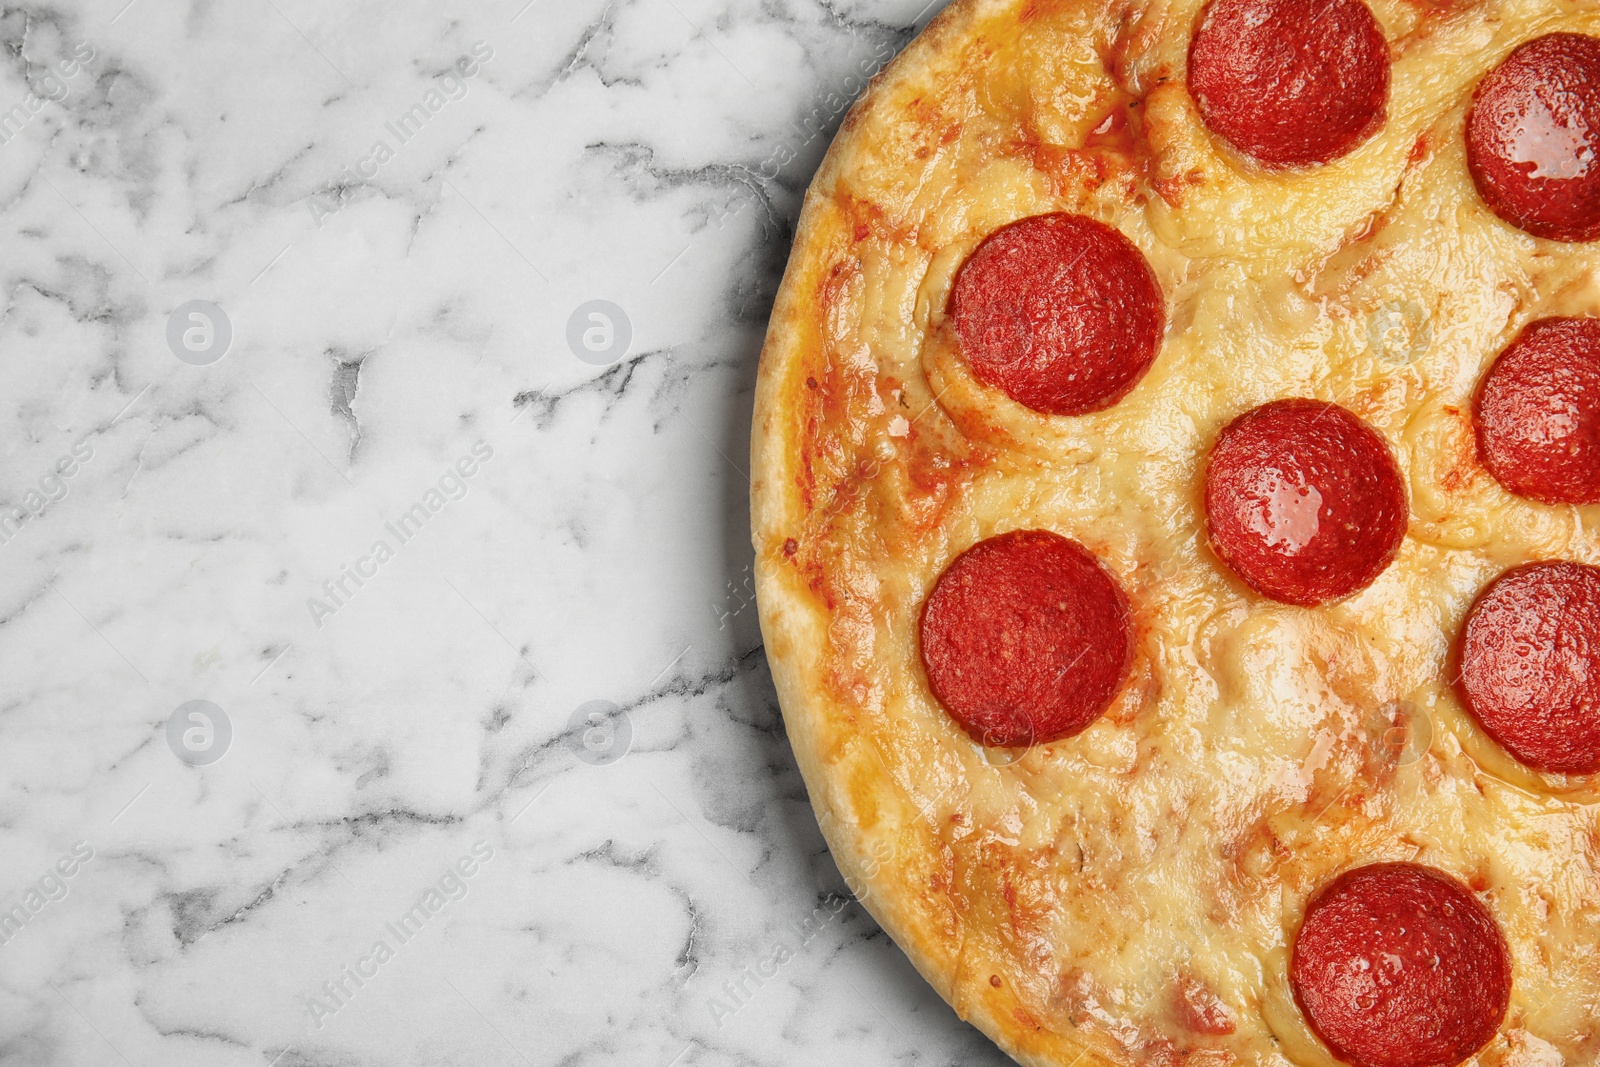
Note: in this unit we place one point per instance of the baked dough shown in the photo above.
(1130, 895)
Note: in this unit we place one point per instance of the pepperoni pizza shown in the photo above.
(1176, 498)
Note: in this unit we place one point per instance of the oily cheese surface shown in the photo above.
(1134, 891)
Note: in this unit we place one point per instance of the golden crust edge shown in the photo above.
(793, 624)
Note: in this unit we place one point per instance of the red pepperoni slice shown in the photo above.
(1304, 501)
(1530, 665)
(1059, 312)
(1538, 413)
(1533, 136)
(1399, 965)
(1026, 639)
(1290, 83)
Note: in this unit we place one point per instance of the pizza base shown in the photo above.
(895, 855)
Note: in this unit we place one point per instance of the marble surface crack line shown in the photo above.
(303, 836)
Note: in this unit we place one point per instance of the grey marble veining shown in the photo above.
(381, 678)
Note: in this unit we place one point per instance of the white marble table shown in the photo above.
(306, 420)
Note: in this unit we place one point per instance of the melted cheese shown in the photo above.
(1164, 856)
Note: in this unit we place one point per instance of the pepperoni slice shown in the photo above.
(1533, 136)
(1538, 413)
(1399, 965)
(1059, 312)
(1026, 639)
(1530, 665)
(1304, 501)
(1290, 83)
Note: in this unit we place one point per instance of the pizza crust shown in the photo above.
(876, 459)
